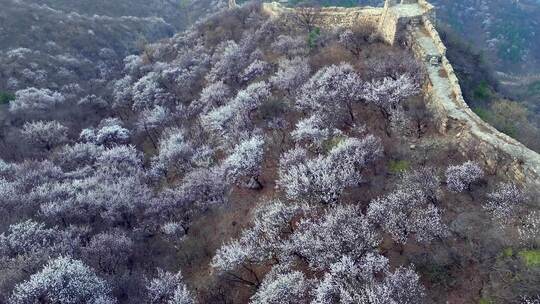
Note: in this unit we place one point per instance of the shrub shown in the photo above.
(508, 117)
(313, 36)
(6, 97)
(485, 301)
(531, 258)
(534, 88)
(332, 142)
(482, 113)
(482, 91)
(398, 166)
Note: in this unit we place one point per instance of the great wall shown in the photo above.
(413, 21)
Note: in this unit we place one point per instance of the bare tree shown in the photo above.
(307, 15)
(357, 38)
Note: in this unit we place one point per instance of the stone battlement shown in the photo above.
(414, 20)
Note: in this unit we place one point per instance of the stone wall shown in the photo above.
(388, 26)
(432, 32)
(333, 17)
(501, 154)
(429, 9)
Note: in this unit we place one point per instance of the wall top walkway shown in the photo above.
(408, 10)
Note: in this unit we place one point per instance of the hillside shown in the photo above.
(178, 13)
(63, 45)
(257, 157)
(507, 31)
(494, 48)
(50, 48)
(505, 35)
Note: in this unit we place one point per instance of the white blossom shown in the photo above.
(64, 281)
(169, 288)
(122, 93)
(351, 281)
(291, 74)
(147, 92)
(312, 130)
(530, 300)
(133, 64)
(245, 160)
(292, 157)
(94, 101)
(229, 60)
(110, 134)
(264, 240)
(46, 134)
(108, 251)
(389, 92)
(324, 178)
(230, 256)
(204, 187)
(120, 160)
(356, 153)
(214, 95)
(316, 180)
(460, 177)
(230, 120)
(399, 122)
(331, 92)
(175, 151)
(407, 212)
(256, 69)
(252, 97)
(154, 118)
(33, 99)
(342, 230)
(424, 179)
(290, 46)
(27, 237)
(506, 203)
(529, 230)
(282, 285)
(174, 230)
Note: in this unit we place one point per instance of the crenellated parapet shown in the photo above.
(413, 22)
